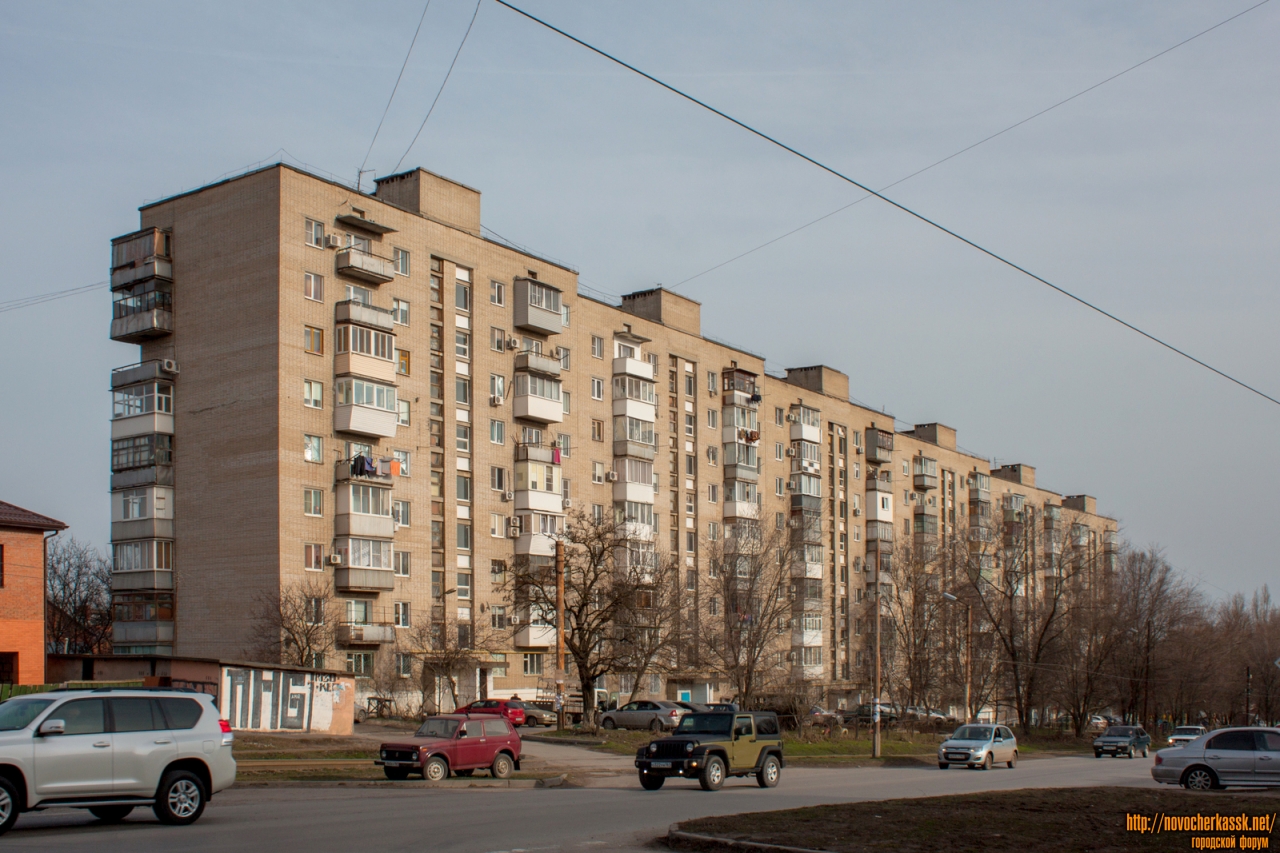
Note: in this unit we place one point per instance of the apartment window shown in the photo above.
(402, 456)
(497, 339)
(403, 560)
(564, 358)
(778, 488)
(404, 664)
(313, 502)
(779, 417)
(689, 389)
(464, 537)
(462, 295)
(400, 511)
(597, 513)
(779, 520)
(597, 472)
(462, 391)
(564, 398)
(597, 388)
(497, 386)
(497, 293)
(497, 525)
(690, 541)
(713, 455)
(497, 573)
(498, 617)
(689, 501)
(313, 448)
(402, 416)
(497, 432)
(312, 394)
(462, 344)
(464, 438)
(356, 293)
(312, 556)
(713, 418)
(597, 430)
(360, 663)
(463, 485)
(564, 442)
(690, 465)
(315, 234)
(530, 435)
(498, 479)
(313, 340)
(401, 614)
(464, 586)
(713, 531)
(533, 664)
(402, 362)
(597, 347)
(437, 338)
(778, 451)
(690, 425)
(713, 493)
(313, 286)
(400, 311)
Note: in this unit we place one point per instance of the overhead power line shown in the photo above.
(440, 91)
(41, 298)
(387, 108)
(835, 172)
(967, 148)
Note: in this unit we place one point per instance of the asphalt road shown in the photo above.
(617, 817)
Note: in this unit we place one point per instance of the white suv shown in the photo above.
(111, 750)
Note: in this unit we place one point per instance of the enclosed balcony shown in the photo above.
(142, 460)
(535, 637)
(537, 307)
(537, 398)
(364, 633)
(1110, 541)
(363, 511)
(365, 408)
(806, 424)
(739, 387)
(880, 531)
(142, 618)
(141, 409)
(139, 314)
(879, 447)
(925, 471)
(538, 487)
(364, 266)
(140, 256)
(979, 487)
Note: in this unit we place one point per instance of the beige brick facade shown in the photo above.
(239, 255)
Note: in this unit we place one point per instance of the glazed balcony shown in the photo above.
(536, 307)
(141, 317)
(141, 256)
(879, 447)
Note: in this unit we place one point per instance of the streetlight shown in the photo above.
(968, 648)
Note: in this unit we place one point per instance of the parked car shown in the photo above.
(979, 747)
(112, 750)
(1246, 757)
(513, 711)
(1183, 735)
(454, 744)
(691, 707)
(712, 746)
(533, 715)
(1121, 740)
(888, 713)
(654, 714)
(731, 707)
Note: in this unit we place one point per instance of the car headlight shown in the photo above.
(653, 747)
(688, 747)
(383, 754)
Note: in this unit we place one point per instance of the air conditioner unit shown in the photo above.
(335, 559)
(858, 451)
(514, 532)
(495, 399)
(791, 451)
(168, 365)
(333, 241)
(856, 512)
(612, 476)
(508, 496)
(793, 419)
(512, 343)
(793, 523)
(568, 503)
(513, 620)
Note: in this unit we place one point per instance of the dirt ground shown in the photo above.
(1076, 819)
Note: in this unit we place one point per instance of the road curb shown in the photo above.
(677, 838)
(549, 782)
(564, 741)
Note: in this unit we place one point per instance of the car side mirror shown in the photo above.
(52, 727)
(737, 735)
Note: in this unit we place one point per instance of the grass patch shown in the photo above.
(1071, 819)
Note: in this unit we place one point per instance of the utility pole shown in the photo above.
(560, 668)
(875, 711)
(1248, 693)
(968, 650)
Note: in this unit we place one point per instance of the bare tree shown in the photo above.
(450, 652)
(295, 627)
(913, 605)
(647, 634)
(608, 569)
(747, 608)
(77, 597)
(1091, 637)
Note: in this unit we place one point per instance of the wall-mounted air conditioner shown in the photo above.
(168, 365)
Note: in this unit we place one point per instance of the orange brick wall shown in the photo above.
(22, 602)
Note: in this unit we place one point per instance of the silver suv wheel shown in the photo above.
(184, 798)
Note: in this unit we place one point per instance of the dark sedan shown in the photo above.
(1122, 740)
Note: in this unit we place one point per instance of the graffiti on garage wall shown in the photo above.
(277, 700)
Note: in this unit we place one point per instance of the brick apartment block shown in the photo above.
(22, 599)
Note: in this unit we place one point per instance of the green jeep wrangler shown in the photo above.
(711, 746)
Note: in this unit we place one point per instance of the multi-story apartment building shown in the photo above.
(363, 388)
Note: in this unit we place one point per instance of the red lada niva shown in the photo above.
(457, 744)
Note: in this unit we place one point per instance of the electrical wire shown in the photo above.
(973, 146)
(443, 83)
(835, 172)
(387, 108)
(39, 299)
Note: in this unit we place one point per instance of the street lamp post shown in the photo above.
(560, 670)
(968, 650)
(875, 709)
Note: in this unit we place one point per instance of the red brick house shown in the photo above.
(22, 562)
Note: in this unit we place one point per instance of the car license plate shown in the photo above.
(659, 763)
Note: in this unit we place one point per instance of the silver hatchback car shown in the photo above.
(1244, 757)
(979, 746)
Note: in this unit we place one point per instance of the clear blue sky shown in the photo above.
(1154, 195)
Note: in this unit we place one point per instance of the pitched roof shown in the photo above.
(16, 516)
